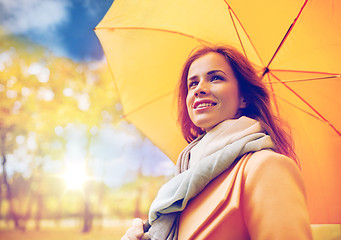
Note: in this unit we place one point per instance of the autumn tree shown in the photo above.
(40, 93)
(14, 88)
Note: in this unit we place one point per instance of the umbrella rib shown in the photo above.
(115, 84)
(303, 71)
(285, 37)
(235, 28)
(301, 109)
(153, 29)
(309, 105)
(146, 104)
(305, 79)
(242, 26)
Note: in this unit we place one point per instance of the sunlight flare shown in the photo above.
(75, 177)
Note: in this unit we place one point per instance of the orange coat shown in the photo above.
(260, 197)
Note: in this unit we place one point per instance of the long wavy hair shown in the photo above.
(251, 87)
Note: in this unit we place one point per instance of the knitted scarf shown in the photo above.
(200, 162)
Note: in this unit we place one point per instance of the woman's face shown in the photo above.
(213, 91)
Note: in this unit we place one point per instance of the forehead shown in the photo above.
(208, 62)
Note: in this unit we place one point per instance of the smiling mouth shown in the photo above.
(204, 105)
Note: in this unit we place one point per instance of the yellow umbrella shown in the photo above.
(295, 44)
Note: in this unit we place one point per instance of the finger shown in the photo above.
(136, 230)
(146, 236)
(137, 222)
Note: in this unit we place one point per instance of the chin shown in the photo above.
(207, 127)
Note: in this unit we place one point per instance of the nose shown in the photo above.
(201, 89)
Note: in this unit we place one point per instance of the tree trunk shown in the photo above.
(0, 199)
(87, 214)
(40, 200)
(12, 213)
(87, 217)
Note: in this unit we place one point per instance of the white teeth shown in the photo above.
(204, 105)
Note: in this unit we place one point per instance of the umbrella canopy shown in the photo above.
(296, 44)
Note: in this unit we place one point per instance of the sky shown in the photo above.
(63, 26)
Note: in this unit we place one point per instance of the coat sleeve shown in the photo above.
(273, 199)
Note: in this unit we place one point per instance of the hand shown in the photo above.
(135, 232)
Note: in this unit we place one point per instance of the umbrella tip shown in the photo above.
(266, 70)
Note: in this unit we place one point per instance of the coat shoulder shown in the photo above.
(273, 198)
(269, 160)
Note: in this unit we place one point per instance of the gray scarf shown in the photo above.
(209, 156)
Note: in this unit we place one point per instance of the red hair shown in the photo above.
(251, 88)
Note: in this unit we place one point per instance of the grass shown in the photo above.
(320, 232)
(63, 234)
(70, 230)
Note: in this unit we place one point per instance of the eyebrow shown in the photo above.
(215, 71)
(208, 73)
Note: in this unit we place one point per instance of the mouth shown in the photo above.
(200, 105)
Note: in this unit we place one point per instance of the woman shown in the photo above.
(238, 178)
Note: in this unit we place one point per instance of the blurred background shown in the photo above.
(71, 166)
(68, 158)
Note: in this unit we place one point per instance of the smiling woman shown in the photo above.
(227, 178)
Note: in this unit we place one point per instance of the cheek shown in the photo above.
(232, 100)
(188, 101)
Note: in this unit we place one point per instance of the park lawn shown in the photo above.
(63, 234)
(320, 232)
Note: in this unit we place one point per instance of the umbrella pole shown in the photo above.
(146, 226)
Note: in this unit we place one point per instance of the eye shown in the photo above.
(217, 78)
(192, 84)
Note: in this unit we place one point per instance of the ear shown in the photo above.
(243, 103)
